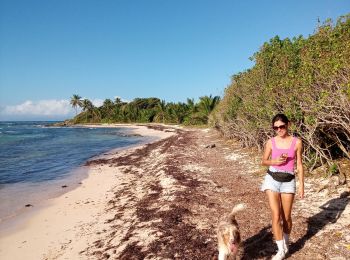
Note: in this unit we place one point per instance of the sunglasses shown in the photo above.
(279, 127)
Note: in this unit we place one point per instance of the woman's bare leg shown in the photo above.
(275, 206)
(286, 212)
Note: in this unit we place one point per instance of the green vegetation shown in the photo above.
(75, 102)
(145, 110)
(305, 78)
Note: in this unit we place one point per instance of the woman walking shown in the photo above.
(282, 152)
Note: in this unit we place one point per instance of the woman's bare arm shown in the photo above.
(300, 168)
(267, 160)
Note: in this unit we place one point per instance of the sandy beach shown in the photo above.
(163, 200)
(65, 219)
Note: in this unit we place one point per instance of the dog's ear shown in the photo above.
(238, 239)
(232, 219)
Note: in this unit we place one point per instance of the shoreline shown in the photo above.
(20, 197)
(33, 203)
(58, 187)
(31, 232)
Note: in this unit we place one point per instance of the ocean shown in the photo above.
(38, 162)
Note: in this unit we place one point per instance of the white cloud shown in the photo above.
(97, 102)
(43, 107)
(51, 109)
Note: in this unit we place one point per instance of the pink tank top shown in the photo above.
(288, 166)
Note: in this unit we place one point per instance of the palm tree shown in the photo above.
(86, 104)
(207, 104)
(75, 101)
(107, 107)
(190, 104)
(161, 111)
(180, 112)
(87, 107)
(117, 101)
(130, 112)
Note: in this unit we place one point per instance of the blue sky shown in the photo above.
(170, 49)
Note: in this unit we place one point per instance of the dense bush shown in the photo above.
(305, 78)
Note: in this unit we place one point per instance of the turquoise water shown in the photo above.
(36, 160)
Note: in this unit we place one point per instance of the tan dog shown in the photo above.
(229, 237)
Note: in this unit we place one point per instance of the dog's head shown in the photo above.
(231, 237)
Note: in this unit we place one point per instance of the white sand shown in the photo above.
(71, 222)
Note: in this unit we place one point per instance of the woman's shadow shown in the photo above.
(330, 213)
(261, 246)
(258, 246)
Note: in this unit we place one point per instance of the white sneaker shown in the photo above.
(279, 256)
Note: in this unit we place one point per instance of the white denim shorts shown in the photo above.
(282, 187)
